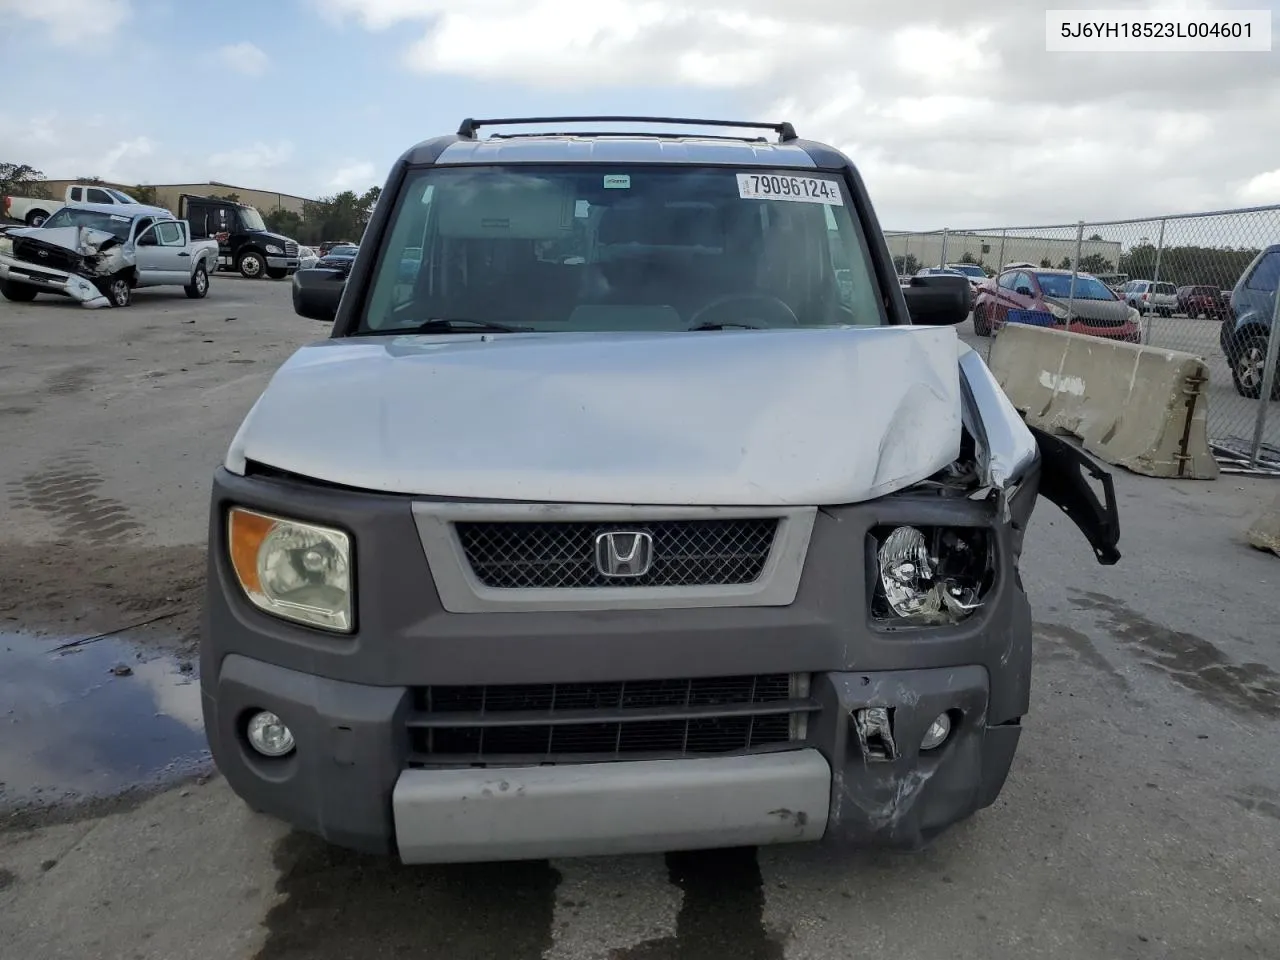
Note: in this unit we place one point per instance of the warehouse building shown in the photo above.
(993, 250)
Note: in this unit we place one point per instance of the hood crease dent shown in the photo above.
(727, 418)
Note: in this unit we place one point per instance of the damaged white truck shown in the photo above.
(646, 512)
(98, 254)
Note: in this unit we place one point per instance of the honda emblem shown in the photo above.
(624, 553)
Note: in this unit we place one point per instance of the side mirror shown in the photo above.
(148, 239)
(940, 300)
(317, 291)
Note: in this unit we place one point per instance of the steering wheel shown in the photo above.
(775, 312)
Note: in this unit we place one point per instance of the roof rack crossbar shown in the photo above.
(616, 133)
(469, 126)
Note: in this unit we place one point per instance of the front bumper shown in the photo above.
(52, 281)
(347, 781)
(282, 263)
(357, 779)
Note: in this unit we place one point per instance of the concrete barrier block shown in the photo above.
(1265, 532)
(1141, 408)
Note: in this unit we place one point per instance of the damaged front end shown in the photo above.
(77, 262)
(926, 732)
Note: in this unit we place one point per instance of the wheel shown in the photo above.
(118, 290)
(277, 273)
(1248, 358)
(199, 285)
(251, 266)
(981, 325)
(36, 217)
(1166, 313)
(18, 292)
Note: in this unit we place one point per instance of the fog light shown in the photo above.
(268, 735)
(937, 733)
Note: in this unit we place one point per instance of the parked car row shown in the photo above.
(1024, 293)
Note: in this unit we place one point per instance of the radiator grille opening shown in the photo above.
(685, 553)
(549, 723)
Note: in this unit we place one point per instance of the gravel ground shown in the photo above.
(1141, 820)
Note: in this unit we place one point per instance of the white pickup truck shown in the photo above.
(34, 211)
(97, 254)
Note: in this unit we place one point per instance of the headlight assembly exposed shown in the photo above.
(1059, 313)
(299, 571)
(6, 246)
(932, 575)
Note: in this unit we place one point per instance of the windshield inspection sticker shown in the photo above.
(617, 182)
(768, 186)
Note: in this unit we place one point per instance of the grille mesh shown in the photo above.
(686, 553)
(470, 740)
(54, 257)
(290, 249)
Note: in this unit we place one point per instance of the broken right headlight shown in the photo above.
(931, 575)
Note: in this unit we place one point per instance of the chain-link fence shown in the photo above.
(1203, 284)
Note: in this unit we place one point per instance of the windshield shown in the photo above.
(344, 251)
(641, 248)
(969, 270)
(122, 197)
(1087, 288)
(251, 219)
(112, 223)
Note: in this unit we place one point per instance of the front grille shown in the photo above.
(580, 722)
(686, 553)
(290, 249)
(46, 255)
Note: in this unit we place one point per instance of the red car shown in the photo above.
(1203, 301)
(1095, 309)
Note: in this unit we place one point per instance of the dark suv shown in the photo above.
(1243, 336)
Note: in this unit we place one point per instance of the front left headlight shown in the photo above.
(932, 575)
(6, 246)
(1059, 313)
(1134, 316)
(291, 569)
(273, 248)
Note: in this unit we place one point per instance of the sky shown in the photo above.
(954, 112)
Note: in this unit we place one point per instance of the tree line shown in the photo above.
(341, 216)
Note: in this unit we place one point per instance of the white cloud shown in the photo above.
(357, 175)
(1262, 189)
(255, 158)
(71, 21)
(244, 57)
(953, 119)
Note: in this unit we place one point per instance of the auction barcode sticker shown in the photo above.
(772, 186)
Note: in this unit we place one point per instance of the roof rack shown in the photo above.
(469, 126)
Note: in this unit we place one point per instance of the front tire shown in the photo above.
(198, 288)
(981, 325)
(118, 290)
(277, 273)
(1248, 367)
(251, 266)
(17, 292)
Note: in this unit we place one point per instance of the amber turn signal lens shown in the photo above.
(249, 531)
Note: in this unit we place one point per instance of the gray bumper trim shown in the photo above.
(282, 263)
(648, 806)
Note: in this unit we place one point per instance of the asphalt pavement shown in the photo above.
(1141, 819)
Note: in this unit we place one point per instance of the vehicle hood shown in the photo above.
(1109, 311)
(734, 417)
(267, 237)
(82, 240)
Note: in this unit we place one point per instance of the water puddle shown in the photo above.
(93, 720)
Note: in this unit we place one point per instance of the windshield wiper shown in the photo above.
(443, 325)
(726, 326)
